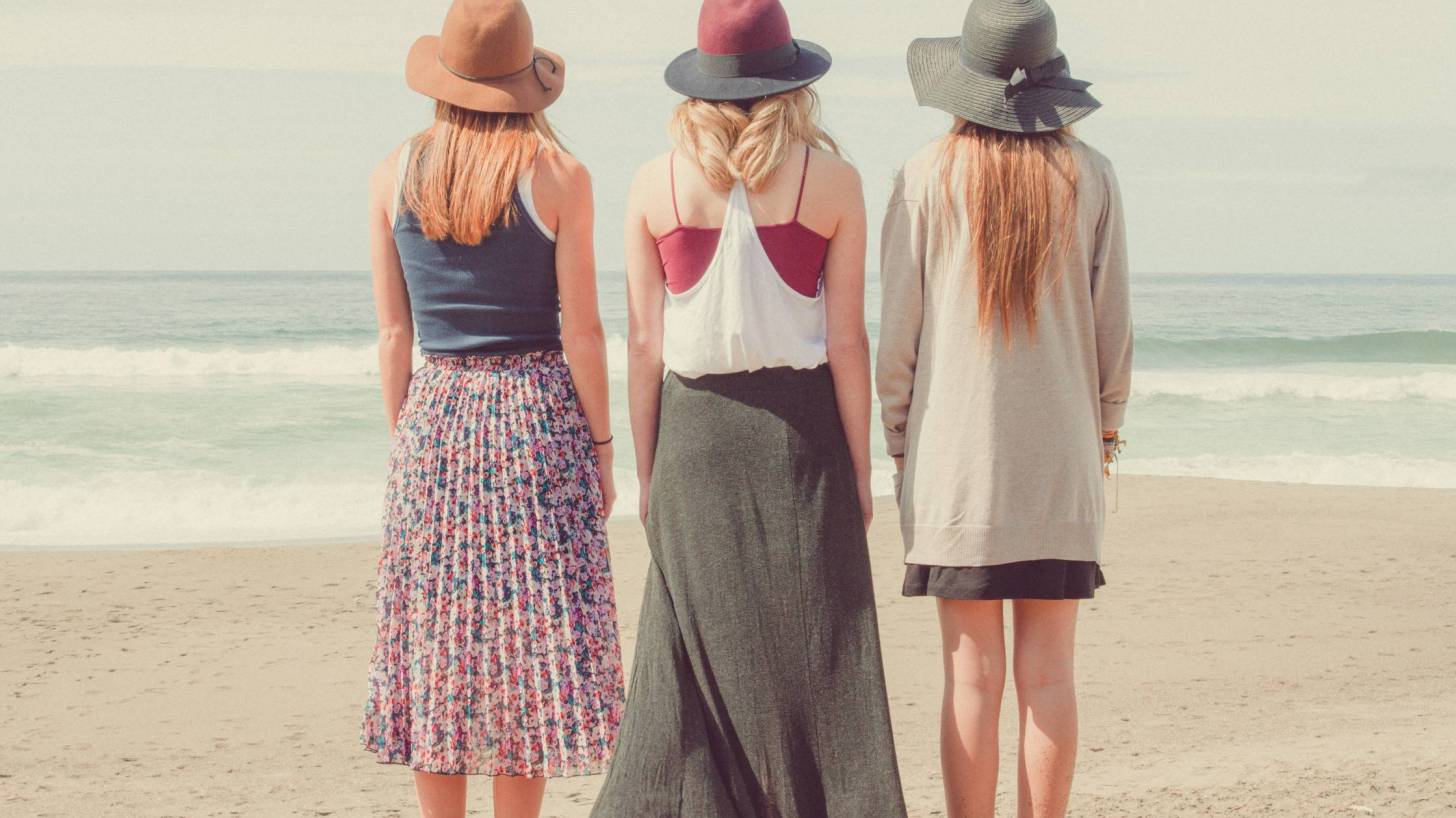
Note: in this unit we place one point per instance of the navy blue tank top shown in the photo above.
(495, 298)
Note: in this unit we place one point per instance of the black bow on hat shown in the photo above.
(1054, 73)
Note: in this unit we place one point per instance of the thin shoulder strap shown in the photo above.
(672, 185)
(399, 172)
(803, 177)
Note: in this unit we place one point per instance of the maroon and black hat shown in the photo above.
(745, 51)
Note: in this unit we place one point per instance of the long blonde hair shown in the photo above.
(1006, 184)
(462, 174)
(730, 143)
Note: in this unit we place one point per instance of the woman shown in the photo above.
(757, 687)
(497, 651)
(1005, 348)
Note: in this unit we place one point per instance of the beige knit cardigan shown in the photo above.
(1002, 445)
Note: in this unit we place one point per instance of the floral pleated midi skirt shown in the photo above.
(497, 650)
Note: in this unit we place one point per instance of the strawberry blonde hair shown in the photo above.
(1007, 185)
(730, 143)
(462, 176)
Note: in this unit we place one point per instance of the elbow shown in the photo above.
(644, 348)
(849, 347)
(394, 336)
(584, 337)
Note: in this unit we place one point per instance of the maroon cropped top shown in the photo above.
(796, 251)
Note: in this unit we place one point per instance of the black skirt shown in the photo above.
(757, 687)
(1031, 579)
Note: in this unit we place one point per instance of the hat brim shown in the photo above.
(520, 93)
(684, 76)
(941, 81)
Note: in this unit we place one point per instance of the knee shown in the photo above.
(1036, 672)
(987, 677)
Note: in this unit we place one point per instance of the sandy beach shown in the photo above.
(1261, 650)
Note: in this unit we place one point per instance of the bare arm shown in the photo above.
(391, 299)
(848, 343)
(902, 266)
(582, 336)
(645, 297)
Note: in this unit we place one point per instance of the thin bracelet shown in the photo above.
(609, 439)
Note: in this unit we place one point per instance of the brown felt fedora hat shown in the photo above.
(486, 59)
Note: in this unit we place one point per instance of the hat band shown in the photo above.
(1054, 73)
(534, 66)
(749, 64)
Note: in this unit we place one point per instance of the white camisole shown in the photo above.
(741, 316)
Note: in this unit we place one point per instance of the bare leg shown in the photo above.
(1045, 635)
(517, 796)
(974, 648)
(441, 796)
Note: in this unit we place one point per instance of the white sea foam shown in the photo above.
(1319, 469)
(188, 508)
(314, 362)
(1227, 386)
(136, 508)
(333, 361)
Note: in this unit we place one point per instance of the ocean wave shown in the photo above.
(316, 362)
(168, 508)
(1431, 346)
(361, 360)
(178, 362)
(144, 508)
(1318, 469)
(1236, 386)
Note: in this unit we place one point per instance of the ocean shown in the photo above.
(185, 408)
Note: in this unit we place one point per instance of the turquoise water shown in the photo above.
(147, 408)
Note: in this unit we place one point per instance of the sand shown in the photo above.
(1261, 650)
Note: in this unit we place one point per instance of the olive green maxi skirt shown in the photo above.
(757, 690)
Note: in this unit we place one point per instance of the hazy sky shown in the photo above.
(1251, 136)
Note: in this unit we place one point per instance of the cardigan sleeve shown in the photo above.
(1111, 308)
(902, 271)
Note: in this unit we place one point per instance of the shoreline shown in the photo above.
(1260, 649)
(882, 501)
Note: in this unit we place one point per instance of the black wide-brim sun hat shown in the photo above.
(941, 81)
(1004, 71)
(687, 75)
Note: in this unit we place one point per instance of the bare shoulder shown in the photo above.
(650, 176)
(834, 170)
(382, 177)
(563, 170)
(652, 171)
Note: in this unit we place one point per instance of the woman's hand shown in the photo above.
(608, 480)
(1112, 444)
(642, 492)
(866, 500)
